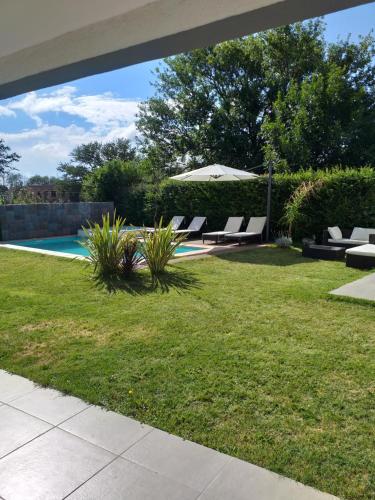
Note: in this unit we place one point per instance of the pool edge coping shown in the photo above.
(72, 256)
(202, 250)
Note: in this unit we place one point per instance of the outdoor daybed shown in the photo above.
(254, 231)
(347, 238)
(361, 257)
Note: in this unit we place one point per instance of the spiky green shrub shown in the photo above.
(159, 246)
(293, 212)
(105, 246)
(131, 256)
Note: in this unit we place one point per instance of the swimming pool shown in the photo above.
(71, 245)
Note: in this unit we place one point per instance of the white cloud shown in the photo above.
(101, 117)
(4, 111)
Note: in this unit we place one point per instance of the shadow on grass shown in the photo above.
(269, 256)
(141, 283)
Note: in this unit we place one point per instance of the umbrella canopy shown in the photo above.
(215, 173)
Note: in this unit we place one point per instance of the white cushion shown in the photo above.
(347, 241)
(362, 233)
(369, 230)
(241, 234)
(216, 233)
(335, 232)
(365, 250)
(359, 233)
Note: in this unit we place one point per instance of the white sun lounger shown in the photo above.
(233, 225)
(194, 227)
(254, 230)
(176, 221)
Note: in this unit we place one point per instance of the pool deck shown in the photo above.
(54, 446)
(214, 249)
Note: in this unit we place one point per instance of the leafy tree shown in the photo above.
(220, 104)
(7, 158)
(3, 194)
(14, 180)
(115, 181)
(14, 183)
(41, 179)
(87, 157)
(329, 118)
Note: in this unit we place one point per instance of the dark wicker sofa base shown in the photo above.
(360, 261)
(324, 252)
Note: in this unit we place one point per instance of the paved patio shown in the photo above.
(54, 446)
(364, 288)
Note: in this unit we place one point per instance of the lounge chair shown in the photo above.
(233, 225)
(195, 226)
(253, 231)
(176, 221)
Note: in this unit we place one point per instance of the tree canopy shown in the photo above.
(7, 159)
(85, 158)
(41, 179)
(116, 181)
(284, 95)
(110, 181)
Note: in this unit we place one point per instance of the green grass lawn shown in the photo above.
(244, 352)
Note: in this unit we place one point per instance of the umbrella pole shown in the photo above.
(269, 195)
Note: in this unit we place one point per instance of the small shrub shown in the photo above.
(159, 246)
(105, 246)
(283, 240)
(131, 256)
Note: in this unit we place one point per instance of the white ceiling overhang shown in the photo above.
(47, 42)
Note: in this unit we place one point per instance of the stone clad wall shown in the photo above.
(42, 220)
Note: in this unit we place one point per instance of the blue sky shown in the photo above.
(45, 126)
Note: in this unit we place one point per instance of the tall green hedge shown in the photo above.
(342, 198)
(345, 198)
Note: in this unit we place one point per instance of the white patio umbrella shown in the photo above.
(215, 172)
(222, 173)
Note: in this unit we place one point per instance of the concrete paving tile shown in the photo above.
(49, 405)
(40, 462)
(185, 462)
(107, 429)
(364, 288)
(50, 467)
(13, 386)
(240, 480)
(17, 428)
(123, 480)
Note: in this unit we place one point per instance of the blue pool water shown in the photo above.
(70, 244)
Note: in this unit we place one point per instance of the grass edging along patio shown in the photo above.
(245, 354)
